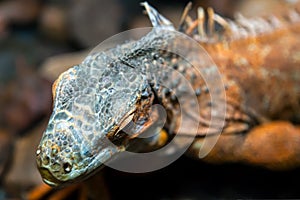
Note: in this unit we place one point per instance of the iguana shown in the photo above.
(114, 90)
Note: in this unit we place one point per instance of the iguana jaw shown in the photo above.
(96, 163)
(141, 125)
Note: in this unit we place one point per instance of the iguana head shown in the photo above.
(93, 102)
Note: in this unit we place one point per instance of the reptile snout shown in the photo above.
(51, 163)
(57, 156)
(55, 162)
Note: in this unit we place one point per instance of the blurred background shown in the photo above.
(39, 39)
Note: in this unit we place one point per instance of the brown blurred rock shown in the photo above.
(6, 149)
(23, 173)
(20, 11)
(17, 12)
(92, 189)
(53, 23)
(24, 99)
(94, 20)
(54, 66)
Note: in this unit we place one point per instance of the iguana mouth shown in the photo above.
(146, 131)
(49, 178)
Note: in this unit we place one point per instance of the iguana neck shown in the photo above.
(174, 65)
(153, 56)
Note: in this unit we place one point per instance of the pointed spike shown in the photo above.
(157, 19)
(234, 30)
(211, 21)
(201, 19)
(184, 15)
(254, 26)
(265, 26)
(223, 23)
(189, 20)
(248, 24)
(294, 16)
(192, 27)
(275, 21)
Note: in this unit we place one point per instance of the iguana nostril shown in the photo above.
(67, 167)
(38, 151)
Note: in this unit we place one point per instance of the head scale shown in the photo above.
(91, 102)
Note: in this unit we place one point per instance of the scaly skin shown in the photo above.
(265, 71)
(95, 100)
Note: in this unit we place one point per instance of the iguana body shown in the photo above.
(260, 69)
(265, 71)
